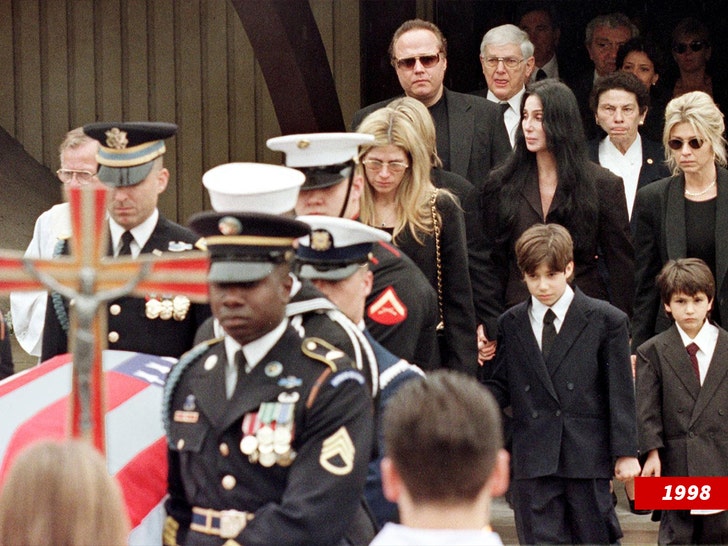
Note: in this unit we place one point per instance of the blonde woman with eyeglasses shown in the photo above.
(686, 214)
(400, 198)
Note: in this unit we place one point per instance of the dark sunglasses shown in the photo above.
(427, 61)
(677, 144)
(695, 45)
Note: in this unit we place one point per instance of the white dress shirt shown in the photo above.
(537, 310)
(627, 166)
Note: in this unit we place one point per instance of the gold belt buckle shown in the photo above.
(232, 522)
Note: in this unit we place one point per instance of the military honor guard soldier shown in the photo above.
(273, 189)
(401, 311)
(130, 160)
(336, 257)
(269, 434)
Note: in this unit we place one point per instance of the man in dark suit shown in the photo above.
(563, 366)
(604, 34)
(682, 386)
(471, 138)
(130, 160)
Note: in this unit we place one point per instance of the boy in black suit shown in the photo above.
(682, 388)
(563, 366)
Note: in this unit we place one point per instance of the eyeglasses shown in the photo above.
(408, 63)
(677, 144)
(395, 167)
(695, 45)
(509, 62)
(82, 177)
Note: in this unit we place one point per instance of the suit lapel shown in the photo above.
(461, 129)
(677, 358)
(531, 350)
(209, 384)
(532, 196)
(721, 228)
(715, 376)
(574, 322)
(675, 237)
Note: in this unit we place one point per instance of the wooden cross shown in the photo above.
(90, 278)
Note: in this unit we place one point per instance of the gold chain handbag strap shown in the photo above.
(438, 259)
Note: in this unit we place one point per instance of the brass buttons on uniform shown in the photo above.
(224, 449)
(228, 482)
(113, 337)
(180, 443)
(115, 309)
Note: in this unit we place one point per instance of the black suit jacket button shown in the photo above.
(527, 388)
(534, 414)
(570, 386)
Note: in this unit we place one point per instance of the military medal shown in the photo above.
(265, 432)
(152, 308)
(267, 459)
(180, 307)
(249, 443)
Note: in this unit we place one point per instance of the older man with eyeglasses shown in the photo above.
(78, 167)
(470, 136)
(506, 56)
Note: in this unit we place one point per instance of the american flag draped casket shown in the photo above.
(34, 405)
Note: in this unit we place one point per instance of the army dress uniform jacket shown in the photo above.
(313, 500)
(129, 327)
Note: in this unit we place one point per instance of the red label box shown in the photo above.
(681, 493)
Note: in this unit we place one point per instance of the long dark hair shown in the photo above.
(579, 208)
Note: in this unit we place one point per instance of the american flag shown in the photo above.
(34, 404)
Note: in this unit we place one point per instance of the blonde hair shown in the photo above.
(60, 493)
(420, 116)
(412, 201)
(698, 109)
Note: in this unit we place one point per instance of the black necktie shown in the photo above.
(503, 107)
(126, 239)
(548, 334)
(540, 75)
(693, 349)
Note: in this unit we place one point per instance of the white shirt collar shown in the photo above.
(707, 336)
(141, 233)
(559, 308)
(256, 349)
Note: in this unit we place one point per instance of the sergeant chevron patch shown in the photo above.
(337, 453)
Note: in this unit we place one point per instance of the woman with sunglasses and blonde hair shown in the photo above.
(399, 197)
(686, 214)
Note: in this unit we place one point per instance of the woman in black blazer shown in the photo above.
(398, 197)
(620, 104)
(549, 178)
(684, 215)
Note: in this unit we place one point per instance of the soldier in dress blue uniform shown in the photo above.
(269, 434)
(272, 189)
(131, 164)
(336, 257)
(401, 311)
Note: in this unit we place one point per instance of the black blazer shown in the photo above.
(675, 414)
(497, 282)
(135, 331)
(653, 164)
(459, 315)
(659, 212)
(478, 138)
(573, 413)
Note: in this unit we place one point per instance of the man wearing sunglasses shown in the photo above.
(78, 168)
(471, 138)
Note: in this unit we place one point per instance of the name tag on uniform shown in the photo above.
(186, 416)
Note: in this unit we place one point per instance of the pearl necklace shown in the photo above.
(699, 193)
